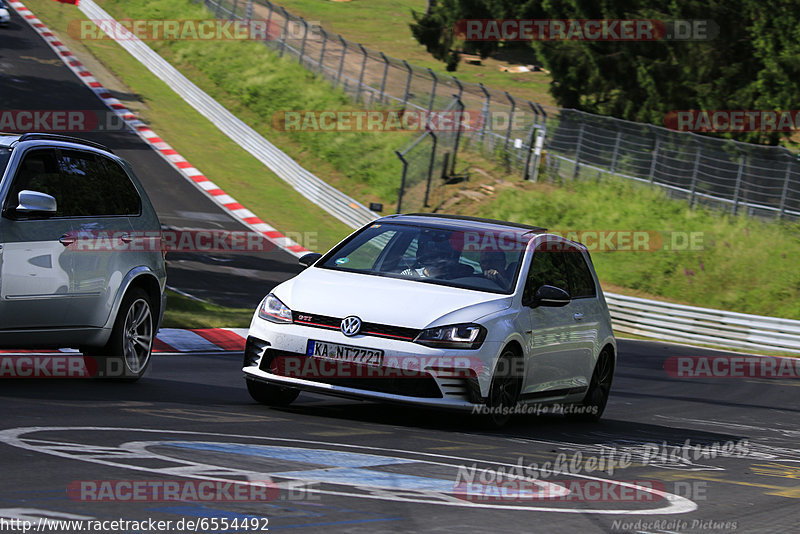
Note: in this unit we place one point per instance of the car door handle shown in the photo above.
(577, 316)
(67, 240)
(125, 238)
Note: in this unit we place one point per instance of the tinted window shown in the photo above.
(547, 268)
(122, 196)
(93, 187)
(5, 155)
(38, 172)
(580, 277)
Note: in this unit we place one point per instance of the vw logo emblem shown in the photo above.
(351, 325)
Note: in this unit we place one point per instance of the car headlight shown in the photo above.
(272, 309)
(459, 336)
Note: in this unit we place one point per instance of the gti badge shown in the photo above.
(351, 325)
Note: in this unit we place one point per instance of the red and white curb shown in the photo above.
(178, 340)
(192, 174)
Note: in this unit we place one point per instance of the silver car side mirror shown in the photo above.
(34, 201)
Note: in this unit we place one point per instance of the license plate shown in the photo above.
(344, 353)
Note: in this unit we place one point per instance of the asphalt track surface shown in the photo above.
(32, 77)
(348, 466)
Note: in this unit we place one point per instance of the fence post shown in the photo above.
(269, 18)
(785, 191)
(510, 119)
(430, 168)
(459, 126)
(402, 182)
(530, 152)
(433, 92)
(285, 34)
(219, 9)
(694, 176)
(485, 111)
(341, 62)
(303, 44)
(738, 186)
(655, 157)
(578, 149)
(248, 14)
(363, 67)
(615, 155)
(408, 83)
(235, 4)
(385, 73)
(322, 51)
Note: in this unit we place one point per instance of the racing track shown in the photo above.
(371, 468)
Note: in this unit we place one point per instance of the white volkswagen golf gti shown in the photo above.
(442, 311)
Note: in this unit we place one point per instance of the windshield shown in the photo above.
(473, 259)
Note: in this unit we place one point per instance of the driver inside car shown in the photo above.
(434, 258)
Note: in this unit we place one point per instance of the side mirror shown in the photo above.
(34, 201)
(550, 296)
(309, 258)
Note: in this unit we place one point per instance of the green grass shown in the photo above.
(744, 265)
(183, 312)
(199, 141)
(383, 25)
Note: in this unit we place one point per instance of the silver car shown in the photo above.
(81, 257)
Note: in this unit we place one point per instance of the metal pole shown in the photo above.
(510, 119)
(530, 152)
(322, 51)
(430, 168)
(219, 8)
(285, 34)
(785, 191)
(485, 111)
(235, 4)
(341, 62)
(385, 73)
(578, 149)
(738, 186)
(694, 177)
(363, 67)
(402, 182)
(655, 157)
(303, 44)
(433, 92)
(408, 83)
(459, 127)
(615, 155)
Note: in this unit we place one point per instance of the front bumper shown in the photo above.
(412, 373)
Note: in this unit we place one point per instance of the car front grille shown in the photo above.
(367, 329)
(351, 375)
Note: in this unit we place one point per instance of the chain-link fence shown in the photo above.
(762, 180)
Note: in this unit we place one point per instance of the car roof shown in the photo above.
(8, 140)
(460, 222)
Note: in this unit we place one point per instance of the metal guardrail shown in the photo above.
(341, 206)
(681, 323)
(632, 315)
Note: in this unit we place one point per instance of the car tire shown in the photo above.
(127, 354)
(270, 394)
(594, 403)
(504, 390)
